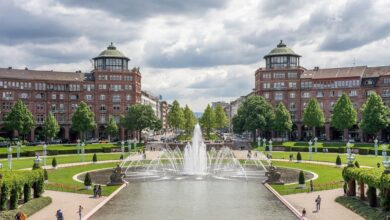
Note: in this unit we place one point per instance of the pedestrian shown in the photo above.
(59, 215)
(99, 191)
(318, 203)
(311, 186)
(303, 213)
(80, 212)
(95, 191)
(24, 216)
(18, 216)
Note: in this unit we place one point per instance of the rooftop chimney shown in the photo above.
(316, 68)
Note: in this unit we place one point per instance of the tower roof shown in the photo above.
(280, 50)
(111, 52)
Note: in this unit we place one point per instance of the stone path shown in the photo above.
(329, 208)
(68, 203)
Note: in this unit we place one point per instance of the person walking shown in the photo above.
(311, 186)
(318, 203)
(80, 211)
(99, 191)
(95, 188)
(59, 215)
(303, 213)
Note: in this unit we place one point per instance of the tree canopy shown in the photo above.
(374, 115)
(50, 127)
(20, 119)
(83, 120)
(313, 116)
(176, 116)
(282, 120)
(189, 119)
(344, 114)
(112, 127)
(221, 120)
(208, 120)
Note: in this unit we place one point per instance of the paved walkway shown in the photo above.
(68, 203)
(329, 208)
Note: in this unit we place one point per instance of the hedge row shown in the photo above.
(28, 208)
(371, 177)
(14, 184)
(362, 151)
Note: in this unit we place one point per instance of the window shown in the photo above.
(7, 95)
(40, 106)
(266, 85)
(61, 108)
(306, 84)
(352, 93)
(292, 84)
(102, 77)
(88, 97)
(266, 75)
(116, 107)
(279, 85)
(332, 93)
(266, 95)
(278, 96)
(102, 86)
(89, 87)
(292, 75)
(369, 92)
(386, 80)
(339, 93)
(74, 97)
(386, 93)
(279, 75)
(39, 96)
(103, 108)
(116, 87)
(305, 94)
(292, 106)
(40, 119)
(53, 107)
(102, 118)
(331, 106)
(24, 95)
(53, 96)
(115, 77)
(128, 97)
(320, 94)
(116, 98)
(292, 95)
(128, 87)
(128, 78)
(74, 107)
(102, 97)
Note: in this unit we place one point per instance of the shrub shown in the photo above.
(301, 178)
(94, 158)
(338, 160)
(299, 157)
(87, 180)
(54, 162)
(28, 208)
(364, 151)
(4, 197)
(36, 166)
(357, 164)
(38, 188)
(13, 201)
(26, 192)
(371, 194)
(45, 175)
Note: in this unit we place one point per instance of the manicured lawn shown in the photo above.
(328, 177)
(57, 147)
(61, 159)
(362, 208)
(364, 160)
(326, 144)
(61, 179)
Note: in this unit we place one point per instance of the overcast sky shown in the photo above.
(195, 51)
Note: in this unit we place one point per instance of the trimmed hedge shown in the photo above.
(29, 208)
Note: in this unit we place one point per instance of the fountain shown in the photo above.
(195, 155)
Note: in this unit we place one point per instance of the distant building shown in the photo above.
(222, 103)
(147, 98)
(233, 107)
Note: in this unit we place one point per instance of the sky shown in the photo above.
(198, 51)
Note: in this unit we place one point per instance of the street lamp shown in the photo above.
(123, 149)
(9, 157)
(376, 146)
(315, 144)
(18, 150)
(350, 156)
(82, 151)
(258, 141)
(310, 150)
(78, 146)
(386, 162)
(129, 146)
(264, 143)
(270, 146)
(44, 154)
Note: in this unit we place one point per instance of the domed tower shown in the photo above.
(111, 59)
(281, 57)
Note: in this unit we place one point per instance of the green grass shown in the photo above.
(326, 144)
(61, 179)
(362, 208)
(28, 208)
(328, 177)
(57, 147)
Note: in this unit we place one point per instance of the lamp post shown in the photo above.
(18, 150)
(310, 150)
(78, 146)
(129, 146)
(264, 143)
(350, 156)
(315, 144)
(82, 151)
(9, 157)
(386, 162)
(376, 146)
(270, 146)
(123, 149)
(44, 154)
(258, 141)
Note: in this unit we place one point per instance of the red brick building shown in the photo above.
(108, 89)
(284, 80)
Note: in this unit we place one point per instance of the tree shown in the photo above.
(313, 116)
(301, 178)
(282, 120)
(54, 162)
(83, 120)
(176, 116)
(299, 157)
(50, 127)
(94, 158)
(20, 119)
(112, 127)
(221, 120)
(189, 120)
(374, 115)
(343, 115)
(140, 117)
(338, 160)
(87, 180)
(254, 113)
(45, 175)
(208, 120)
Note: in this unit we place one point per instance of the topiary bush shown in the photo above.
(338, 160)
(301, 178)
(94, 158)
(299, 157)
(4, 196)
(13, 201)
(36, 166)
(45, 175)
(357, 164)
(54, 162)
(87, 180)
(26, 192)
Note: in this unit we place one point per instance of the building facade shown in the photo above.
(284, 80)
(109, 89)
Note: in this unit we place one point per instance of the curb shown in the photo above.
(285, 202)
(74, 177)
(100, 205)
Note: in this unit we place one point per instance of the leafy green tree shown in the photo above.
(87, 180)
(83, 120)
(301, 178)
(189, 120)
(20, 119)
(343, 115)
(94, 158)
(338, 160)
(254, 113)
(221, 120)
(50, 127)
(282, 120)
(112, 128)
(140, 117)
(208, 120)
(374, 115)
(299, 156)
(313, 116)
(54, 162)
(176, 116)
